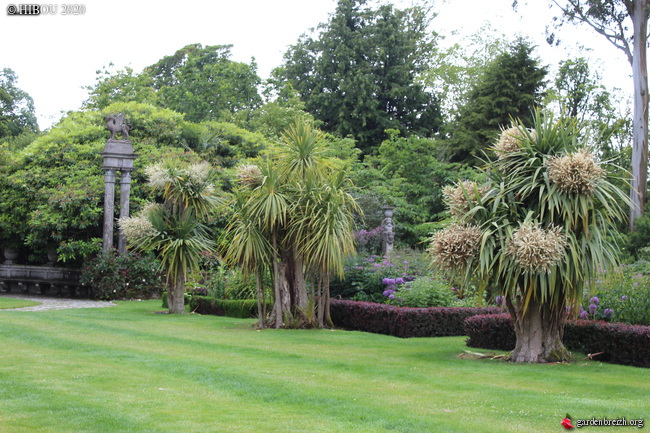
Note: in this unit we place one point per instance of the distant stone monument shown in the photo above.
(388, 235)
(118, 156)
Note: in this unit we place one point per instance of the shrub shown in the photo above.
(124, 276)
(216, 280)
(612, 342)
(243, 309)
(619, 343)
(493, 331)
(625, 292)
(403, 322)
(423, 292)
(364, 276)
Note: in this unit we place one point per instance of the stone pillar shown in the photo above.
(388, 235)
(125, 194)
(109, 209)
(118, 156)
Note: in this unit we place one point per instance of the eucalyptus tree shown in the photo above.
(174, 229)
(536, 231)
(624, 23)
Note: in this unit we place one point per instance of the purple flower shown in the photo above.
(608, 312)
(391, 297)
(624, 298)
(391, 281)
(399, 281)
(377, 265)
(500, 300)
(584, 315)
(592, 309)
(636, 284)
(388, 293)
(594, 300)
(384, 281)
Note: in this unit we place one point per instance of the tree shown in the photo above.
(361, 76)
(610, 19)
(511, 86)
(203, 83)
(120, 86)
(51, 191)
(294, 219)
(17, 114)
(536, 231)
(174, 229)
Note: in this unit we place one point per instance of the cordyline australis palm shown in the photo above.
(293, 219)
(174, 229)
(536, 231)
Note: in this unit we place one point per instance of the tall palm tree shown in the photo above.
(174, 229)
(302, 212)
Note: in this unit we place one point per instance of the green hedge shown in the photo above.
(243, 309)
(617, 343)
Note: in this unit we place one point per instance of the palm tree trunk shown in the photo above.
(539, 334)
(276, 285)
(260, 301)
(176, 299)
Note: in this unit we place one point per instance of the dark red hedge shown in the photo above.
(618, 342)
(403, 322)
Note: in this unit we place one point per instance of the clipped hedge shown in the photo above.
(492, 331)
(242, 309)
(401, 321)
(619, 343)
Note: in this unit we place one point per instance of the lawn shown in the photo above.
(6, 303)
(128, 369)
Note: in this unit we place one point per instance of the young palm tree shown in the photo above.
(247, 247)
(174, 229)
(537, 231)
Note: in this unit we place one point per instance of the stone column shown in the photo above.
(109, 209)
(125, 194)
(388, 235)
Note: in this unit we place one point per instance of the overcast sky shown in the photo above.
(55, 55)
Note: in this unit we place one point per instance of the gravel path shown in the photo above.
(54, 303)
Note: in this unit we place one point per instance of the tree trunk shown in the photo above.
(638, 13)
(539, 334)
(260, 301)
(277, 306)
(176, 298)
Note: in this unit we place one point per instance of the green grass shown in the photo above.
(6, 303)
(127, 369)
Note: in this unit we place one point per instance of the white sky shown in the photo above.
(55, 55)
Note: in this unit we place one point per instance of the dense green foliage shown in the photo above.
(510, 87)
(17, 114)
(124, 276)
(200, 82)
(359, 75)
(52, 191)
